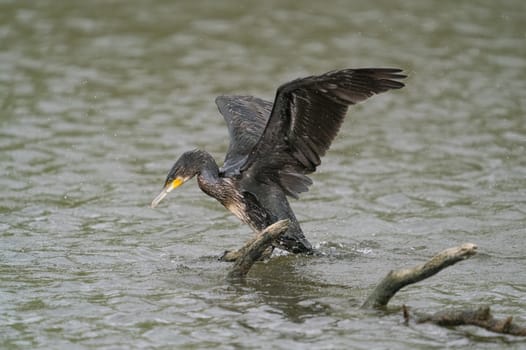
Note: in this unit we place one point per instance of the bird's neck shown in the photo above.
(216, 186)
(207, 165)
(208, 174)
(244, 205)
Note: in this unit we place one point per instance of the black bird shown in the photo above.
(273, 146)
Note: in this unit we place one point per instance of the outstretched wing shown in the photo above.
(246, 117)
(306, 116)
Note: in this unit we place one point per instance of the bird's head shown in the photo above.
(186, 167)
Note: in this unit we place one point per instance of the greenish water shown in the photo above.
(99, 98)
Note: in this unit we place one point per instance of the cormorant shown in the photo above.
(273, 146)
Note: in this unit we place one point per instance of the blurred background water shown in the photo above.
(99, 98)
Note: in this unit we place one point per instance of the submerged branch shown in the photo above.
(254, 249)
(258, 246)
(396, 280)
(480, 317)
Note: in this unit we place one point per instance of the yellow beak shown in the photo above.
(167, 189)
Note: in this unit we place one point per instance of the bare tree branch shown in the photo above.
(254, 249)
(480, 317)
(261, 244)
(396, 280)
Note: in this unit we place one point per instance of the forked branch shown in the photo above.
(395, 280)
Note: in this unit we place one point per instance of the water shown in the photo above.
(99, 98)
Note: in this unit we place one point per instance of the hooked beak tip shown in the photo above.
(167, 189)
(159, 198)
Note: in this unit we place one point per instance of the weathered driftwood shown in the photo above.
(396, 280)
(255, 249)
(234, 255)
(261, 244)
(480, 317)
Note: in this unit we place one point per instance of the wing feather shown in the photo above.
(246, 117)
(305, 118)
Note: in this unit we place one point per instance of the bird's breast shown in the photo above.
(238, 209)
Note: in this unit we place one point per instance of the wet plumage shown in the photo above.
(274, 146)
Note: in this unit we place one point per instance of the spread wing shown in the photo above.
(305, 118)
(246, 118)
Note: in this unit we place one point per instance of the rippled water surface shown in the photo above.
(99, 98)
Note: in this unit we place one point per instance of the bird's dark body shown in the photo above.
(246, 117)
(257, 206)
(274, 146)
